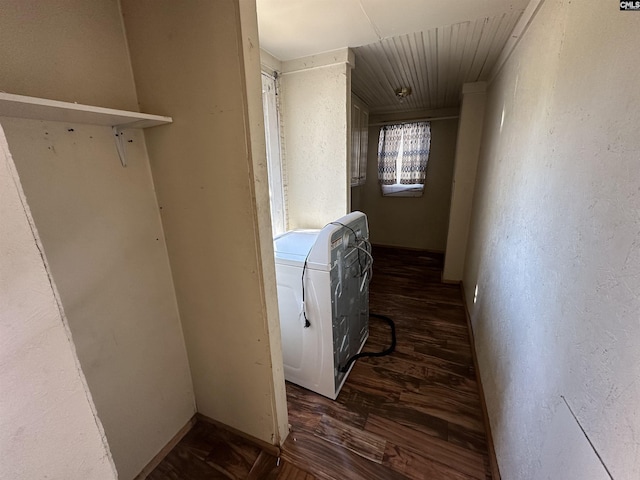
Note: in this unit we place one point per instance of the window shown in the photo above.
(274, 160)
(403, 152)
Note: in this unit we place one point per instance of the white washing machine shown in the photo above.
(323, 298)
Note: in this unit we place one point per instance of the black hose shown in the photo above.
(388, 351)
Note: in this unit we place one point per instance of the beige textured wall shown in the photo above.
(70, 50)
(554, 245)
(101, 230)
(419, 222)
(188, 62)
(259, 171)
(99, 223)
(464, 178)
(315, 108)
(48, 425)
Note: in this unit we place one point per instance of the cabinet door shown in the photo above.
(355, 143)
(364, 142)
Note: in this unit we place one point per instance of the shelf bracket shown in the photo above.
(118, 134)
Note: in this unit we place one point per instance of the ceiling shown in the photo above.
(434, 64)
(432, 46)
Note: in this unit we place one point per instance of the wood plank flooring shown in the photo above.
(412, 415)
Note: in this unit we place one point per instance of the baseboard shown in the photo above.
(410, 249)
(198, 417)
(265, 446)
(493, 460)
(155, 461)
(450, 282)
(263, 466)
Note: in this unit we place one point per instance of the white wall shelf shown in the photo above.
(43, 109)
(53, 110)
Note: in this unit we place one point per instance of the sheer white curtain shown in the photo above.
(416, 141)
(403, 153)
(389, 145)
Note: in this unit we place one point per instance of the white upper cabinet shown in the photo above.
(359, 139)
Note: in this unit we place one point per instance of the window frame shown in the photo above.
(399, 189)
(275, 167)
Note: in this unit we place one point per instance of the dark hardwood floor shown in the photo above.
(412, 415)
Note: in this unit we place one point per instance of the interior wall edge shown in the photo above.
(257, 163)
(468, 146)
(493, 458)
